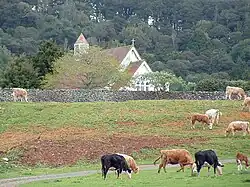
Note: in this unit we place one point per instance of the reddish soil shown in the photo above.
(66, 146)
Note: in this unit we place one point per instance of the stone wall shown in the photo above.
(69, 95)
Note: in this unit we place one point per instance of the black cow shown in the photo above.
(207, 157)
(116, 161)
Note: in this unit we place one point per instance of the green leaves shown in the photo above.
(94, 69)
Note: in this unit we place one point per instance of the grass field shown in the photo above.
(230, 178)
(72, 132)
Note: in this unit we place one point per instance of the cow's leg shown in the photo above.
(217, 119)
(129, 174)
(182, 168)
(215, 167)
(229, 97)
(15, 98)
(208, 171)
(199, 166)
(238, 162)
(26, 98)
(105, 172)
(233, 132)
(193, 124)
(118, 172)
(164, 166)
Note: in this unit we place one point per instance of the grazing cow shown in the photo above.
(204, 118)
(246, 104)
(209, 158)
(20, 93)
(214, 115)
(116, 161)
(239, 158)
(175, 156)
(238, 126)
(131, 162)
(235, 90)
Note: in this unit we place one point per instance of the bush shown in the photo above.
(220, 84)
(211, 85)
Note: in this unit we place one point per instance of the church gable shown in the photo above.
(132, 56)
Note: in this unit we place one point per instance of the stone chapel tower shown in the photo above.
(81, 45)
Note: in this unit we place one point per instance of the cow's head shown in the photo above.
(219, 169)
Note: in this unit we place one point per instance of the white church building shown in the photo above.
(129, 58)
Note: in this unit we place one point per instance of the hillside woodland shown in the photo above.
(206, 42)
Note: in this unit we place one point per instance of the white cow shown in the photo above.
(238, 126)
(214, 115)
(230, 90)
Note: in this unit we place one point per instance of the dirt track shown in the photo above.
(15, 182)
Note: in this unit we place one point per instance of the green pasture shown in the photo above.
(230, 178)
(165, 118)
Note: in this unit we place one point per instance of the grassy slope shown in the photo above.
(150, 118)
(230, 178)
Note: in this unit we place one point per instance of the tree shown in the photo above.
(161, 80)
(94, 69)
(5, 57)
(20, 73)
(44, 60)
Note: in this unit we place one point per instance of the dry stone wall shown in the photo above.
(81, 95)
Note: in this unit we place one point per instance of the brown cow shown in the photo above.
(20, 93)
(239, 158)
(230, 90)
(238, 126)
(203, 118)
(175, 156)
(246, 104)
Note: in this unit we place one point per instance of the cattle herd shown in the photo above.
(205, 158)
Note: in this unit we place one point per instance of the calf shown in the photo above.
(20, 93)
(131, 162)
(246, 104)
(230, 90)
(239, 159)
(204, 118)
(214, 115)
(116, 161)
(209, 157)
(174, 156)
(238, 126)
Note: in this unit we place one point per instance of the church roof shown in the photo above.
(133, 67)
(81, 39)
(119, 52)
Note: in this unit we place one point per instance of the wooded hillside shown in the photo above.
(195, 39)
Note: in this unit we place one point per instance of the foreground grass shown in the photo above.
(166, 118)
(230, 178)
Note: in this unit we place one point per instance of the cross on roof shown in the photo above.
(133, 42)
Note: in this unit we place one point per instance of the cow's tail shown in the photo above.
(157, 160)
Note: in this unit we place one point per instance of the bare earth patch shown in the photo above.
(66, 146)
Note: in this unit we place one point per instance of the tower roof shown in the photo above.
(81, 39)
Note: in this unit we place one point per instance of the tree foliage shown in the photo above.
(188, 37)
(94, 69)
